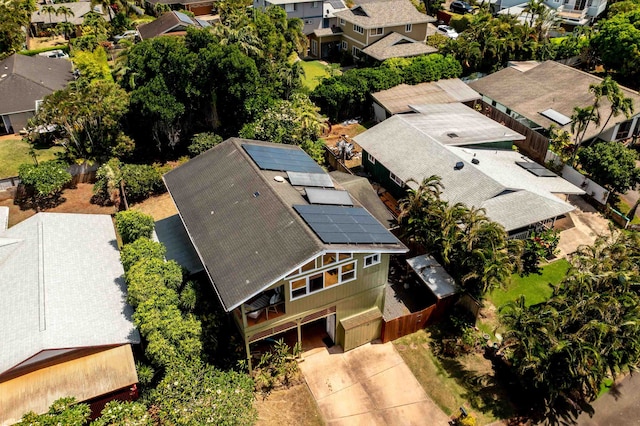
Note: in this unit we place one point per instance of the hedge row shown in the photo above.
(349, 95)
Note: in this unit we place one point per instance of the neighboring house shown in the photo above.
(41, 20)
(197, 7)
(170, 24)
(66, 328)
(381, 29)
(571, 12)
(315, 15)
(472, 155)
(541, 94)
(24, 82)
(282, 244)
(398, 99)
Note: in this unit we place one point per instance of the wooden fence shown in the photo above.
(407, 324)
(534, 146)
(335, 162)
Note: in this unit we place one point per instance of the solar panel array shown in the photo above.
(310, 179)
(328, 196)
(184, 18)
(337, 224)
(282, 159)
(203, 23)
(535, 168)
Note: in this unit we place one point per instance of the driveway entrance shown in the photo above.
(369, 385)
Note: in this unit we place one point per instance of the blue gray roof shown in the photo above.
(62, 287)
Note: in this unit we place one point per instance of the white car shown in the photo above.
(447, 31)
(54, 54)
(128, 35)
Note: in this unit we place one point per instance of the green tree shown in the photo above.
(46, 180)
(142, 248)
(66, 29)
(63, 411)
(89, 130)
(616, 43)
(611, 164)
(64, 11)
(124, 413)
(92, 65)
(14, 16)
(202, 142)
(49, 10)
(132, 224)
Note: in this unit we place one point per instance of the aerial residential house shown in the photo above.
(398, 99)
(314, 14)
(197, 7)
(170, 24)
(66, 327)
(41, 20)
(381, 29)
(282, 243)
(24, 82)
(571, 12)
(540, 94)
(473, 156)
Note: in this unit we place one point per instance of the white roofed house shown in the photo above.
(473, 156)
(66, 328)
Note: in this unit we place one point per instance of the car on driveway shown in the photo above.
(447, 31)
(54, 54)
(460, 7)
(131, 35)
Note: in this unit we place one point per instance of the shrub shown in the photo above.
(47, 178)
(106, 190)
(538, 246)
(142, 248)
(130, 413)
(141, 181)
(132, 225)
(151, 277)
(202, 142)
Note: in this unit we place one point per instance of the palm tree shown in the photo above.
(65, 11)
(66, 28)
(619, 104)
(580, 120)
(49, 10)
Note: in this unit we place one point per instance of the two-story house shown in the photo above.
(283, 244)
(314, 14)
(571, 12)
(381, 29)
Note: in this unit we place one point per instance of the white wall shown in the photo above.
(596, 191)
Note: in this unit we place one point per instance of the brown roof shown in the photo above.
(170, 23)
(383, 13)
(530, 90)
(26, 79)
(395, 45)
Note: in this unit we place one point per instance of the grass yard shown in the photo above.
(451, 383)
(314, 72)
(14, 152)
(534, 287)
(292, 406)
(625, 208)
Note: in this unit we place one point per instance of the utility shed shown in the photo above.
(433, 275)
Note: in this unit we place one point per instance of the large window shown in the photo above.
(623, 130)
(290, 7)
(358, 29)
(355, 52)
(376, 31)
(341, 22)
(315, 280)
(396, 179)
(344, 45)
(314, 47)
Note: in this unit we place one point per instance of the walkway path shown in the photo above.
(369, 385)
(619, 407)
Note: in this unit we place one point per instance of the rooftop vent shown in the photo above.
(452, 135)
(459, 165)
(475, 161)
(278, 178)
(256, 194)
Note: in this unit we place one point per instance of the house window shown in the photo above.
(396, 179)
(341, 22)
(371, 158)
(322, 280)
(358, 29)
(314, 47)
(290, 7)
(371, 260)
(376, 31)
(344, 45)
(355, 52)
(315, 4)
(408, 28)
(623, 129)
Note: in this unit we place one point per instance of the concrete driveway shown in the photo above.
(369, 385)
(588, 225)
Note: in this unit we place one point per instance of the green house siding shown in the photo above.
(382, 175)
(347, 299)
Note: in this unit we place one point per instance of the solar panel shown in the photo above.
(202, 23)
(282, 159)
(310, 179)
(535, 168)
(543, 173)
(336, 224)
(528, 165)
(554, 115)
(328, 196)
(184, 18)
(337, 4)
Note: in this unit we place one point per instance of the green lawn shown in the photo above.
(14, 152)
(534, 287)
(314, 72)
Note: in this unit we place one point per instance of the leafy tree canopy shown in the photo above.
(132, 224)
(611, 164)
(14, 15)
(617, 43)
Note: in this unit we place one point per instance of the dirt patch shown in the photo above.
(159, 207)
(292, 406)
(74, 200)
(41, 42)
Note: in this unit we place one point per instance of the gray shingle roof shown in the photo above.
(168, 23)
(399, 98)
(529, 90)
(383, 13)
(79, 9)
(62, 287)
(409, 152)
(395, 45)
(242, 223)
(26, 79)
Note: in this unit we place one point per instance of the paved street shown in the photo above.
(619, 407)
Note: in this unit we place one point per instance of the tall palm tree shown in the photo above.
(619, 104)
(66, 28)
(49, 9)
(65, 11)
(580, 120)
